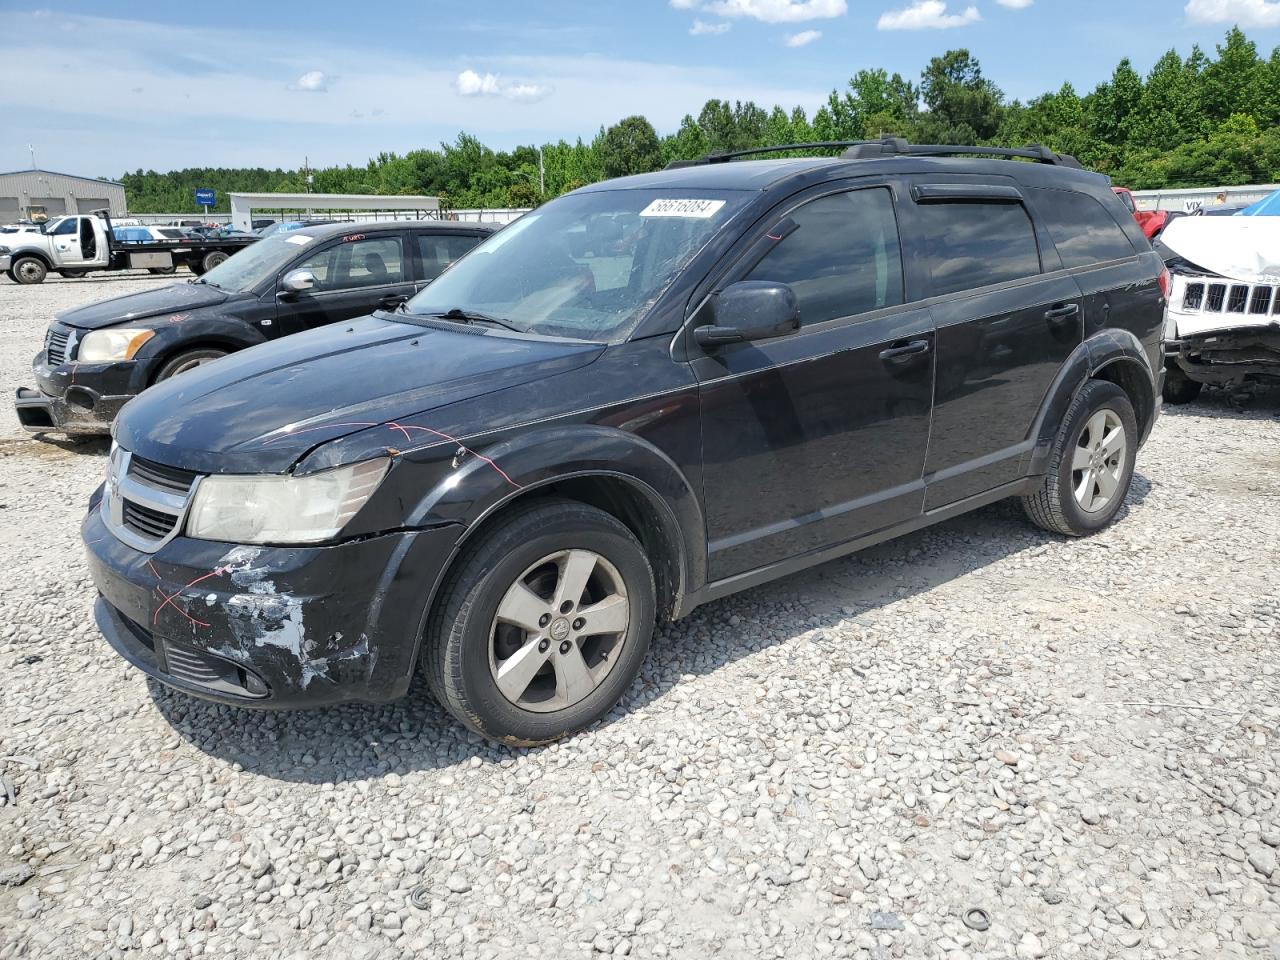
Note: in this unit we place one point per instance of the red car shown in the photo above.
(1151, 221)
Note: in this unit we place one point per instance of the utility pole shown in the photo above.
(542, 179)
(32, 148)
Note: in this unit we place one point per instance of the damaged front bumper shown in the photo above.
(274, 627)
(1228, 357)
(75, 397)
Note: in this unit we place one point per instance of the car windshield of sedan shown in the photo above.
(246, 269)
(586, 266)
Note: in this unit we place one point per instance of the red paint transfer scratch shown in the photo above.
(169, 598)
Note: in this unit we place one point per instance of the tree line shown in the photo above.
(1190, 122)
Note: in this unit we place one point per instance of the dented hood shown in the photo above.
(218, 418)
(176, 298)
(1246, 249)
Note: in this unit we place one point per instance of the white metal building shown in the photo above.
(243, 204)
(31, 194)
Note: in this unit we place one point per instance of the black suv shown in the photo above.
(638, 398)
(98, 356)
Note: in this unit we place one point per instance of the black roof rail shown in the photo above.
(891, 147)
(728, 155)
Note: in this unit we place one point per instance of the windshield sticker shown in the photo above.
(299, 239)
(695, 209)
(353, 237)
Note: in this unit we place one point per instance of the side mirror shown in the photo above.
(298, 281)
(749, 310)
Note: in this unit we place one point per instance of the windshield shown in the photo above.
(587, 265)
(246, 269)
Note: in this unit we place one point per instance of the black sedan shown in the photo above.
(98, 356)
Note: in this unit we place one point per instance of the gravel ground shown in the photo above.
(1077, 737)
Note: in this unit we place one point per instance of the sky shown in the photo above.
(99, 89)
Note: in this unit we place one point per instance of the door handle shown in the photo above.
(912, 349)
(1061, 313)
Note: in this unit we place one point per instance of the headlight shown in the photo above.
(276, 509)
(118, 343)
(4, 251)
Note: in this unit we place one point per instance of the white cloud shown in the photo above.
(247, 105)
(471, 84)
(684, 4)
(1015, 4)
(701, 28)
(779, 11)
(313, 81)
(927, 15)
(1243, 13)
(802, 38)
(526, 92)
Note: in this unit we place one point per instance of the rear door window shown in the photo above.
(1081, 228)
(840, 254)
(975, 244)
(437, 250)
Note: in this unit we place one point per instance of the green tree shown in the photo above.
(963, 106)
(630, 146)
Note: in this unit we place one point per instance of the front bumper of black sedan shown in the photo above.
(77, 397)
(273, 627)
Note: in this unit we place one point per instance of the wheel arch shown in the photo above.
(1115, 355)
(612, 470)
(219, 339)
(33, 252)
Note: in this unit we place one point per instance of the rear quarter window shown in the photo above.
(1082, 228)
(976, 244)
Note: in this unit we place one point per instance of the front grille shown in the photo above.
(1256, 299)
(148, 522)
(211, 672)
(158, 475)
(145, 502)
(1260, 301)
(55, 346)
(191, 666)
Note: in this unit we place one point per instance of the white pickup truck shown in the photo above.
(73, 246)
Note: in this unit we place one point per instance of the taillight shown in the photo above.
(1166, 281)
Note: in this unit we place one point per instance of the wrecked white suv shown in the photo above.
(1223, 320)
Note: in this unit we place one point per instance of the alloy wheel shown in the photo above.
(558, 631)
(1099, 461)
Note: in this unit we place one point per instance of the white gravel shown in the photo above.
(1077, 737)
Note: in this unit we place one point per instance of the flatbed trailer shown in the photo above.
(83, 243)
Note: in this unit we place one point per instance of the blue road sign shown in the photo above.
(206, 198)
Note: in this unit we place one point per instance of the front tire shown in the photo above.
(1178, 387)
(1090, 463)
(28, 270)
(188, 360)
(213, 259)
(543, 624)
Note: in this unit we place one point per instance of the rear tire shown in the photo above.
(188, 360)
(1178, 387)
(212, 259)
(582, 583)
(28, 270)
(72, 274)
(161, 271)
(1090, 463)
